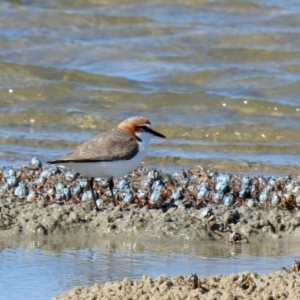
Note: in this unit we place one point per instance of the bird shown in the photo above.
(110, 154)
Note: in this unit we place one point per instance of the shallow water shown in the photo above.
(41, 267)
(219, 78)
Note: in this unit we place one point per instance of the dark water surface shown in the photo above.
(221, 79)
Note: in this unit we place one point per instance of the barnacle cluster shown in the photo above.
(195, 187)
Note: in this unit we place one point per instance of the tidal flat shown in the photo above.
(185, 211)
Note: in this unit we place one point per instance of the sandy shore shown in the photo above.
(246, 285)
(176, 223)
(242, 221)
(179, 222)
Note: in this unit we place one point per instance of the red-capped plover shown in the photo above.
(113, 153)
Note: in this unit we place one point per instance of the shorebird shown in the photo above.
(113, 153)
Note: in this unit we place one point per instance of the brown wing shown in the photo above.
(115, 144)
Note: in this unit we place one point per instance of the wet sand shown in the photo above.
(170, 217)
(177, 223)
(246, 285)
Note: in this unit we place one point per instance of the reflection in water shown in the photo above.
(40, 267)
(58, 243)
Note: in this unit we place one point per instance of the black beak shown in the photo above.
(150, 130)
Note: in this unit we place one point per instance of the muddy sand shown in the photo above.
(246, 285)
(254, 209)
(176, 223)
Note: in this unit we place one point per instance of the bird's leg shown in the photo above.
(91, 181)
(111, 186)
